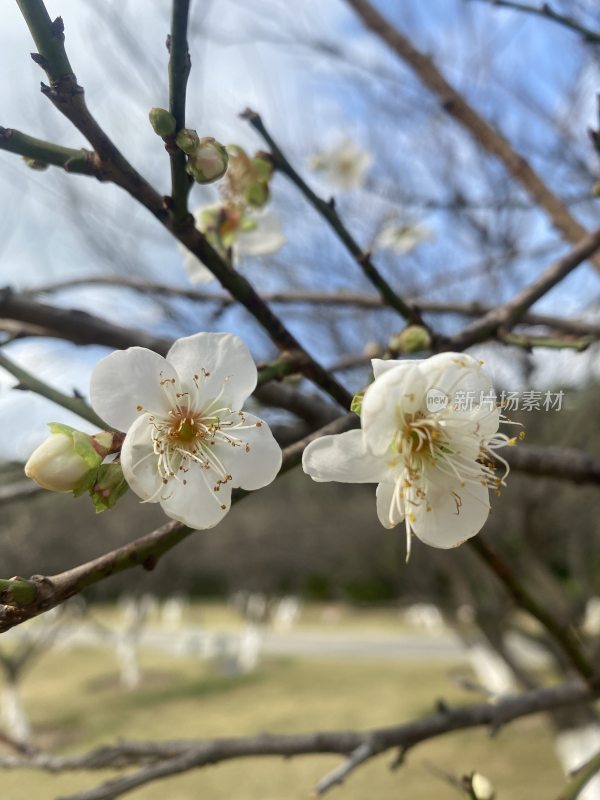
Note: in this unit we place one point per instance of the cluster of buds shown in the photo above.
(72, 461)
(207, 159)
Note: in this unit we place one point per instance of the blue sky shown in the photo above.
(252, 52)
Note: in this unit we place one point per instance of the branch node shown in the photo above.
(40, 60)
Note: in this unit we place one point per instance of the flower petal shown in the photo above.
(195, 503)
(382, 365)
(195, 269)
(127, 379)
(342, 457)
(388, 516)
(387, 401)
(224, 367)
(139, 461)
(256, 462)
(456, 513)
(268, 236)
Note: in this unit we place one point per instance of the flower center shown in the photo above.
(187, 429)
(420, 436)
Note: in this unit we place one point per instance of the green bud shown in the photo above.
(209, 161)
(35, 163)
(413, 339)
(187, 140)
(68, 459)
(109, 486)
(162, 121)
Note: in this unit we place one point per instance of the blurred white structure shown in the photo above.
(250, 645)
(426, 616)
(491, 671)
(287, 613)
(576, 746)
(14, 717)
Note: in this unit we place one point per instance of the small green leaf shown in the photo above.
(356, 404)
(109, 487)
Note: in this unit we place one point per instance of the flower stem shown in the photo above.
(33, 384)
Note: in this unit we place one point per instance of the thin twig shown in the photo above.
(67, 96)
(562, 632)
(77, 162)
(581, 778)
(33, 384)
(484, 134)
(546, 11)
(329, 213)
(506, 316)
(474, 308)
(164, 759)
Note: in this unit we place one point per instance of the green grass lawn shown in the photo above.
(74, 702)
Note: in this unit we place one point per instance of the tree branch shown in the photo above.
(68, 97)
(33, 384)
(24, 599)
(546, 11)
(484, 134)
(164, 759)
(179, 70)
(78, 162)
(473, 308)
(328, 211)
(506, 316)
(562, 632)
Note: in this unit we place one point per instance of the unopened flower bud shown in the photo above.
(413, 339)
(35, 163)
(188, 141)
(209, 161)
(162, 121)
(64, 460)
(481, 787)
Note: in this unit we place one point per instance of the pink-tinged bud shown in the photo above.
(208, 162)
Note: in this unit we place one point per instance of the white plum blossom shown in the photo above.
(246, 232)
(188, 442)
(344, 165)
(432, 460)
(402, 237)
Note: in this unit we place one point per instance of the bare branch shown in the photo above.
(488, 137)
(358, 299)
(68, 97)
(506, 316)
(328, 211)
(179, 70)
(78, 162)
(561, 630)
(164, 759)
(546, 11)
